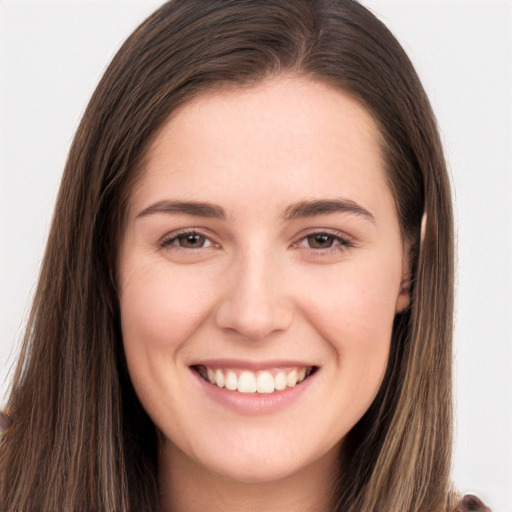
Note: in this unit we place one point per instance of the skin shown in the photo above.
(256, 286)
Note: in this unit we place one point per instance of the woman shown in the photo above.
(237, 161)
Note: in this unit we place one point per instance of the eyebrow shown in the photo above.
(315, 208)
(194, 208)
(299, 210)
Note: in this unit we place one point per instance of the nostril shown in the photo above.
(253, 320)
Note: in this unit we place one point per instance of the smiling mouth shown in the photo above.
(246, 381)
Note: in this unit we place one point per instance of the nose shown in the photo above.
(254, 304)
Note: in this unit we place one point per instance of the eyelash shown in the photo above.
(339, 243)
(176, 237)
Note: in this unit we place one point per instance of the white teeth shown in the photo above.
(260, 382)
(280, 381)
(219, 378)
(265, 383)
(291, 378)
(231, 380)
(247, 382)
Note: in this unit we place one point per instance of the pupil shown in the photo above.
(192, 240)
(320, 241)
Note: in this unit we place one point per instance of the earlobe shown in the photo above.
(404, 296)
(405, 285)
(404, 293)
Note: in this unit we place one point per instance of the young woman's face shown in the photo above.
(260, 274)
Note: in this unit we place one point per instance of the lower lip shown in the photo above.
(254, 403)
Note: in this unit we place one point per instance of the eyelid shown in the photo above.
(167, 240)
(345, 241)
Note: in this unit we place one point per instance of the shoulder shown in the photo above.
(471, 503)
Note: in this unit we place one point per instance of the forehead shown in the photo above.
(296, 134)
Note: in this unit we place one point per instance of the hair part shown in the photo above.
(72, 389)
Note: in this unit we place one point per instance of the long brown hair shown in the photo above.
(80, 438)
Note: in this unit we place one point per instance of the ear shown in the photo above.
(404, 293)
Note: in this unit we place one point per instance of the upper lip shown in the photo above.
(253, 365)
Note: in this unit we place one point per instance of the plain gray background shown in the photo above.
(51, 57)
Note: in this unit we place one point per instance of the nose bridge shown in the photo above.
(255, 303)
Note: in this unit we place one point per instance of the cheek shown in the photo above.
(354, 319)
(355, 305)
(160, 311)
(355, 316)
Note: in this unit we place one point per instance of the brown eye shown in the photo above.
(191, 241)
(320, 241)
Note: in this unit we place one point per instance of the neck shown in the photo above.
(186, 486)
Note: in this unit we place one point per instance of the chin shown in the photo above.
(247, 459)
(259, 469)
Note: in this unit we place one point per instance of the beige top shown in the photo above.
(471, 503)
